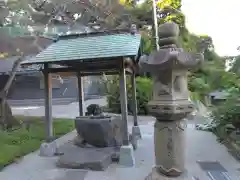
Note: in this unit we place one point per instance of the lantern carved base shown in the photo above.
(169, 140)
(155, 175)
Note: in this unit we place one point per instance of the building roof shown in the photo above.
(6, 65)
(219, 94)
(24, 44)
(91, 46)
(52, 31)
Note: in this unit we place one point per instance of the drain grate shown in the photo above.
(216, 175)
(214, 170)
(211, 166)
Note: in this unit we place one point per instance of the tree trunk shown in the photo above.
(7, 120)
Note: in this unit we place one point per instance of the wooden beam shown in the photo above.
(48, 104)
(134, 100)
(124, 110)
(70, 73)
(89, 68)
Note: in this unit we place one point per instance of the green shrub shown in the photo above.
(144, 94)
(228, 112)
(17, 143)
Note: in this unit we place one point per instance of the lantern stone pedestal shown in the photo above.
(170, 104)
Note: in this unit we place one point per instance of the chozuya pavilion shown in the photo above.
(113, 53)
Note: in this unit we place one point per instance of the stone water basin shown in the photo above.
(100, 131)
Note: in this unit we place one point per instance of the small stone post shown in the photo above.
(170, 104)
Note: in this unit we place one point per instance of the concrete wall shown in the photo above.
(31, 87)
(57, 81)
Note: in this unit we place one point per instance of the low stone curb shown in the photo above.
(233, 149)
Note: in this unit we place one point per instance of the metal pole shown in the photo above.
(80, 94)
(124, 110)
(134, 100)
(155, 26)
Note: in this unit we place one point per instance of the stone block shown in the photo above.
(136, 132)
(97, 159)
(48, 149)
(100, 131)
(71, 174)
(126, 156)
(78, 140)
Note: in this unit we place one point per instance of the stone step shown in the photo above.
(75, 157)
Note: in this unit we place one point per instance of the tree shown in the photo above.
(235, 66)
(142, 15)
(35, 17)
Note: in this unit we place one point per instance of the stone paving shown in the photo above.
(201, 146)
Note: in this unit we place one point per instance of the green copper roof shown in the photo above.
(90, 47)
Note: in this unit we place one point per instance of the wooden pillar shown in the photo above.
(80, 94)
(48, 103)
(134, 100)
(124, 110)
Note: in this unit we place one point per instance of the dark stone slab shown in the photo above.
(211, 166)
(74, 157)
(100, 131)
(73, 175)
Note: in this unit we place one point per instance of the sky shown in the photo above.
(219, 19)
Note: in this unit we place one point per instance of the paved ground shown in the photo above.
(64, 111)
(40, 102)
(201, 146)
(55, 101)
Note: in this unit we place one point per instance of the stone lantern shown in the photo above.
(170, 104)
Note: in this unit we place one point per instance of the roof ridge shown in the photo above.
(96, 33)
